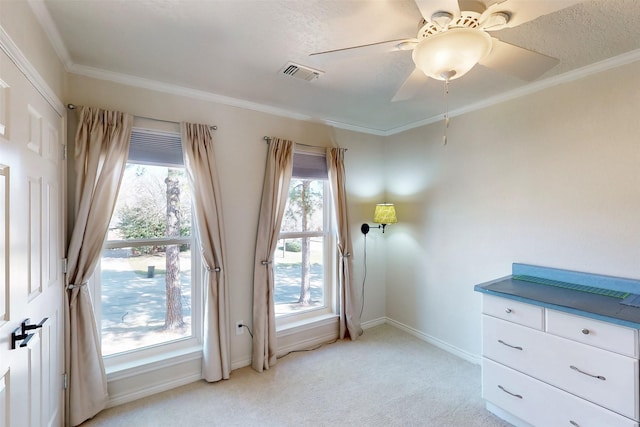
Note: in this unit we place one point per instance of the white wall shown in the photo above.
(240, 155)
(18, 21)
(550, 179)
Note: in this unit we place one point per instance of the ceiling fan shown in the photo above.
(453, 36)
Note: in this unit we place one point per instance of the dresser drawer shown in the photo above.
(541, 404)
(606, 378)
(600, 334)
(516, 346)
(512, 391)
(513, 311)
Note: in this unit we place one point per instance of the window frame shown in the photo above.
(168, 349)
(330, 254)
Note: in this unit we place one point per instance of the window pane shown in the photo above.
(154, 201)
(134, 294)
(299, 275)
(304, 210)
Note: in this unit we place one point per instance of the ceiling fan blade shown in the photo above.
(411, 86)
(429, 7)
(517, 61)
(522, 11)
(368, 49)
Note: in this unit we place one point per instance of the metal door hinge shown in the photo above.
(64, 152)
(65, 381)
(64, 265)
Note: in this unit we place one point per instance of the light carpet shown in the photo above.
(386, 378)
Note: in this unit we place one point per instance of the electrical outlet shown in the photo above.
(239, 327)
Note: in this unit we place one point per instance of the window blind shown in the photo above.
(309, 165)
(155, 147)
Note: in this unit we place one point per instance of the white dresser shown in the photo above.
(547, 368)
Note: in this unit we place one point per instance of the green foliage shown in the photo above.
(141, 212)
(305, 199)
(137, 222)
(293, 246)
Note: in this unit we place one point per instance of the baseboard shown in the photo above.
(151, 390)
(373, 323)
(132, 384)
(242, 363)
(473, 358)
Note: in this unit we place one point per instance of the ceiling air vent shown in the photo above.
(300, 72)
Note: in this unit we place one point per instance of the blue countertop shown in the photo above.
(589, 295)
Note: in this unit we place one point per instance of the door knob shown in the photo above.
(20, 333)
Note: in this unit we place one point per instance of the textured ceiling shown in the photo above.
(235, 48)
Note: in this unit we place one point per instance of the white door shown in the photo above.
(31, 249)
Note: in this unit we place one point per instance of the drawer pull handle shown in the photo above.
(508, 392)
(507, 310)
(600, 377)
(573, 423)
(509, 345)
(586, 331)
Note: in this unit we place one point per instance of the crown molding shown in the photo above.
(355, 128)
(182, 91)
(155, 85)
(577, 74)
(14, 53)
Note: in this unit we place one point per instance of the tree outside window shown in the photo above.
(299, 260)
(146, 263)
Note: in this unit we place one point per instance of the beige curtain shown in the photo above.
(348, 305)
(275, 192)
(101, 149)
(197, 144)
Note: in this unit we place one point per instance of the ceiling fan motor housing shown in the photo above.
(444, 21)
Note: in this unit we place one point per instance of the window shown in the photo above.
(148, 301)
(304, 255)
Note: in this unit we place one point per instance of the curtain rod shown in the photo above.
(213, 127)
(268, 138)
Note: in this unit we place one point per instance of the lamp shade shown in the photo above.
(385, 214)
(452, 53)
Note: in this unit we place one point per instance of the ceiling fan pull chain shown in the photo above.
(446, 112)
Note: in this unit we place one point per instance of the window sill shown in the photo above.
(141, 365)
(307, 334)
(309, 323)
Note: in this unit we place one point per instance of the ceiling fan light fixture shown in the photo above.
(451, 54)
